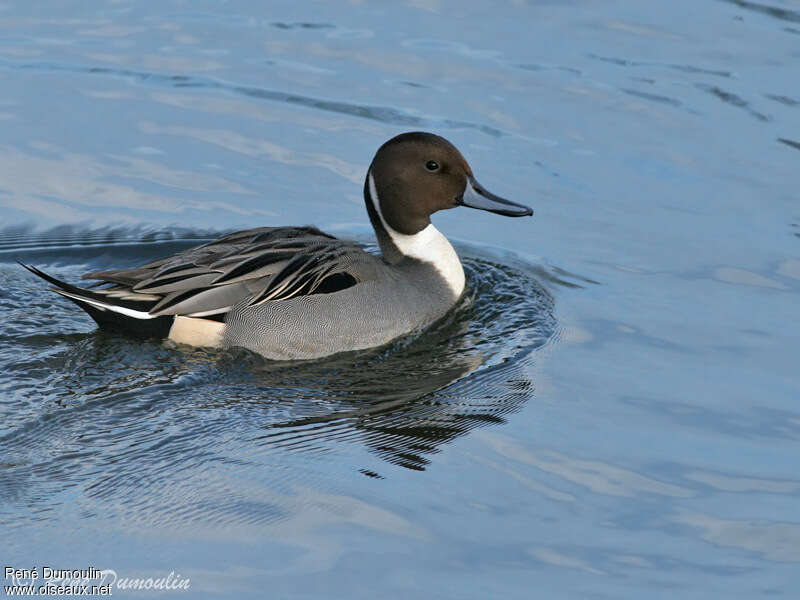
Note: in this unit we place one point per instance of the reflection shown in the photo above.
(742, 483)
(241, 144)
(400, 406)
(224, 436)
(739, 276)
(756, 423)
(559, 559)
(777, 541)
(597, 476)
(405, 401)
(532, 484)
(51, 184)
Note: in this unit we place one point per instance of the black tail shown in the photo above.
(113, 314)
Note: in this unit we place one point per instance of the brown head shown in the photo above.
(415, 174)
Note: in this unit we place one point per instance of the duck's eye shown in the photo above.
(432, 165)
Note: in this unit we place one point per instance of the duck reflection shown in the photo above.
(405, 401)
(218, 436)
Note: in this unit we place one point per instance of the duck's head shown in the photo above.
(415, 174)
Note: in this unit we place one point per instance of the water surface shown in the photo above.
(610, 412)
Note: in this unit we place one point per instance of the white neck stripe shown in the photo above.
(428, 245)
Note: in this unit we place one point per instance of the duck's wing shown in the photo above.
(268, 264)
(256, 265)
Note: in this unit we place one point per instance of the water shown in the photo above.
(612, 410)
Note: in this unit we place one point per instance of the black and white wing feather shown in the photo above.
(260, 265)
(267, 264)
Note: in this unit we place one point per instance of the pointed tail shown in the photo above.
(127, 316)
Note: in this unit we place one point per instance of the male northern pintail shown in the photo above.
(299, 293)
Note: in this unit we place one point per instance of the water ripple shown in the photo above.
(104, 417)
(384, 114)
(624, 62)
(733, 100)
(784, 14)
(790, 143)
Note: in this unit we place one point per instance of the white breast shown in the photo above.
(428, 245)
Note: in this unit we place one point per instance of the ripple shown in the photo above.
(732, 99)
(784, 14)
(790, 143)
(384, 114)
(281, 25)
(653, 97)
(624, 62)
(783, 99)
(24, 238)
(104, 417)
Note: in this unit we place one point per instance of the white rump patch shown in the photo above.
(197, 332)
(428, 245)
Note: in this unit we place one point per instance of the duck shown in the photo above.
(298, 293)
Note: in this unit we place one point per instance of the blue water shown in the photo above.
(612, 410)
